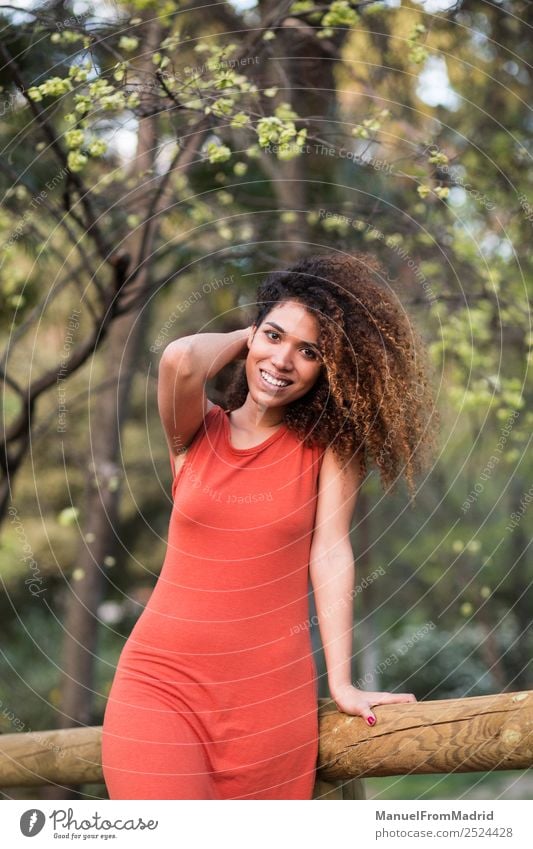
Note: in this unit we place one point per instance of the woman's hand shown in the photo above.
(359, 702)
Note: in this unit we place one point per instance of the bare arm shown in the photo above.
(332, 575)
(331, 566)
(210, 352)
(185, 366)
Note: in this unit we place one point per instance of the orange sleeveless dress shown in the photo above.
(215, 692)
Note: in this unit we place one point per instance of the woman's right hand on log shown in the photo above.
(351, 700)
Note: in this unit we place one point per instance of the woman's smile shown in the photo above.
(272, 382)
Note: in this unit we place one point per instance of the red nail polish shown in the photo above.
(371, 720)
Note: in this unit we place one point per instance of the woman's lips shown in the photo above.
(271, 386)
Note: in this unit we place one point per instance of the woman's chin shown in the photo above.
(263, 399)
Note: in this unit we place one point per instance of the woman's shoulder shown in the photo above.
(212, 413)
(209, 421)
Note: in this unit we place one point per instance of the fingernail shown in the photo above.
(370, 720)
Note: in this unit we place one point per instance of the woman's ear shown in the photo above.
(253, 328)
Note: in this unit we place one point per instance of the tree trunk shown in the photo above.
(103, 489)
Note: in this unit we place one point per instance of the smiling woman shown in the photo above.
(359, 368)
(215, 693)
(282, 365)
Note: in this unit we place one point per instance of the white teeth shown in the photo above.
(272, 380)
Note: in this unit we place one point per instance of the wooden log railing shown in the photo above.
(480, 733)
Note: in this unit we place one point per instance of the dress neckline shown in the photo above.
(272, 438)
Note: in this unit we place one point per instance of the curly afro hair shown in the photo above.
(373, 394)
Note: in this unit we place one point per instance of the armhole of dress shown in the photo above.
(321, 455)
(190, 448)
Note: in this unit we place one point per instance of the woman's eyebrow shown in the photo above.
(281, 330)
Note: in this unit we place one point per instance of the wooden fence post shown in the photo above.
(451, 735)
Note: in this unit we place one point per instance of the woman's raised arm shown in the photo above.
(185, 366)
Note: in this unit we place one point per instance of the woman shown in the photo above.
(215, 693)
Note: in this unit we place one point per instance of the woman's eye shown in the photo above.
(308, 351)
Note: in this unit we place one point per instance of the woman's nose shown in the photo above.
(282, 357)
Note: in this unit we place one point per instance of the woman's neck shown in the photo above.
(253, 416)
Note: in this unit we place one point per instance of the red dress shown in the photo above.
(215, 692)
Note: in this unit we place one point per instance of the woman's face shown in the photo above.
(285, 346)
